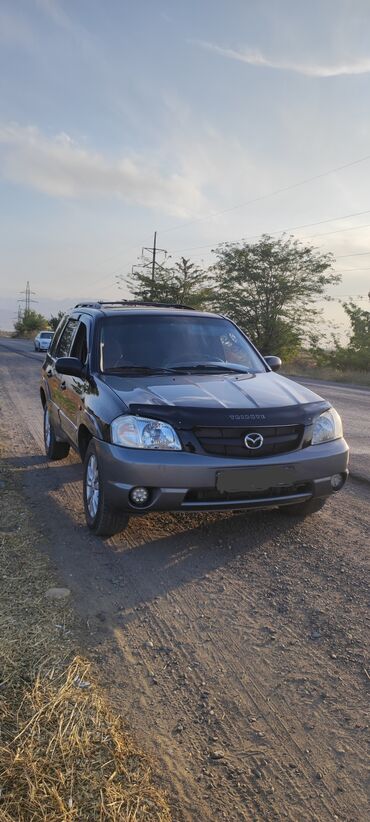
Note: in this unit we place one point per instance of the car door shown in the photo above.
(74, 388)
(58, 383)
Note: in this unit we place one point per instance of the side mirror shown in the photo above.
(274, 363)
(70, 366)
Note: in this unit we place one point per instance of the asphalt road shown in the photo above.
(236, 645)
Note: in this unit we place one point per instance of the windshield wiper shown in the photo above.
(137, 369)
(206, 366)
(178, 369)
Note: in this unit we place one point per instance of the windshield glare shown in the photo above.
(183, 342)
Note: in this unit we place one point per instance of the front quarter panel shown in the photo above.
(99, 406)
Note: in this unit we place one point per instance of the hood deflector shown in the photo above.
(188, 418)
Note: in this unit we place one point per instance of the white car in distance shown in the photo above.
(43, 340)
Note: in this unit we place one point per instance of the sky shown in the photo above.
(204, 120)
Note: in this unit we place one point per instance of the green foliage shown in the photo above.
(270, 289)
(30, 323)
(360, 325)
(355, 356)
(54, 321)
(182, 282)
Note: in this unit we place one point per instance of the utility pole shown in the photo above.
(27, 298)
(153, 261)
(153, 252)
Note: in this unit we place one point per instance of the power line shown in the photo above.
(266, 196)
(356, 254)
(346, 270)
(338, 231)
(253, 236)
(282, 230)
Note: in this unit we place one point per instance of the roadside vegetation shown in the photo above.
(63, 754)
(271, 288)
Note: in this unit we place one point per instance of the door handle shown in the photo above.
(63, 385)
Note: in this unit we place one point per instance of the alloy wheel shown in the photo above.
(47, 429)
(92, 486)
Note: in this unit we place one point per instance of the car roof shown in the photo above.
(131, 307)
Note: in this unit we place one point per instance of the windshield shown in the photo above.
(174, 343)
(47, 334)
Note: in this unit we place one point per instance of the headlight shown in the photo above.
(138, 432)
(328, 426)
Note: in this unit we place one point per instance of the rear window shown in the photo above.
(158, 342)
(46, 334)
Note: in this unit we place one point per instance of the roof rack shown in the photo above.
(105, 303)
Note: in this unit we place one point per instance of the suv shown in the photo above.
(174, 409)
(43, 340)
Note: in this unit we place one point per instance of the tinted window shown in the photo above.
(65, 341)
(174, 341)
(56, 337)
(79, 347)
(46, 335)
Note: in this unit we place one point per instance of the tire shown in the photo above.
(54, 450)
(101, 518)
(304, 509)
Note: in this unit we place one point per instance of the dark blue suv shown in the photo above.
(175, 409)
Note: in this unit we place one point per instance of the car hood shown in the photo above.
(231, 397)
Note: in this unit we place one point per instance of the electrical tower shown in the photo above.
(27, 299)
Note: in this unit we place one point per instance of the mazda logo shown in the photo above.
(253, 441)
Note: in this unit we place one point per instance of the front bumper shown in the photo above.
(183, 481)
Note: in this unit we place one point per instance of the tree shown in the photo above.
(270, 289)
(29, 323)
(54, 321)
(356, 355)
(360, 327)
(182, 282)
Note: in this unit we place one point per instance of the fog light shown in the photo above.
(337, 481)
(139, 496)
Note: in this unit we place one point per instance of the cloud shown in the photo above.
(253, 57)
(52, 9)
(15, 31)
(59, 167)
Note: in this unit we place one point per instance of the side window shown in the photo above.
(57, 336)
(79, 347)
(64, 345)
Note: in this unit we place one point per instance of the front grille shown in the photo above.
(229, 442)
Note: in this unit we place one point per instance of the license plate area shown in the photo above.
(254, 478)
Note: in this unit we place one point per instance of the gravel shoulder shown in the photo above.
(237, 645)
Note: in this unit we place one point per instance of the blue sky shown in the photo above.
(118, 118)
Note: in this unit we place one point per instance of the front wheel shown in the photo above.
(304, 509)
(101, 518)
(54, 450)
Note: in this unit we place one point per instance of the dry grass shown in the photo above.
(63, 754)
(360, 378)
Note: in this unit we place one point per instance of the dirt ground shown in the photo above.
(64, 755)
(236, 645)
